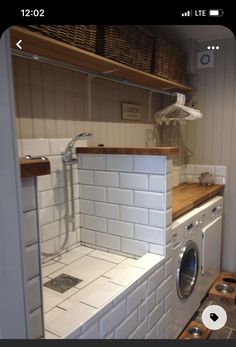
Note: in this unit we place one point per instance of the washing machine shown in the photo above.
(186, 269)
(210, 225)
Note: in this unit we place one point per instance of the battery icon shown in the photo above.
(216, 13)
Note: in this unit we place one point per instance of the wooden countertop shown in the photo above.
(129, 150)
(34, 167)
(187, 196)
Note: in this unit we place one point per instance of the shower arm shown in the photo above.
(67, 156)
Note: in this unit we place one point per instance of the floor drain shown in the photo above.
(62, 283)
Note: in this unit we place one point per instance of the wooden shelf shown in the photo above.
(128, 150)
(53, 49)
(34, 167)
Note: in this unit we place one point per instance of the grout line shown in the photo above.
(53, 309)
(53, 333)
(85, 303)
(230, 332)
(109, 261)
(58, 261)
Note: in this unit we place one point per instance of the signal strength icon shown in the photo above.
(187, 13)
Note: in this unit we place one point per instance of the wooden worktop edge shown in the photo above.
(128, 150)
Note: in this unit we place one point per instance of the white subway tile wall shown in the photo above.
(104, 178)
(112, 319)
(157, 183)
(149, 234)
(94, 223)
(85, 176)
(161, 219)
(131, 192)
(87, 236)
(120, 228)
(127, 326)
(157, 249)
(150, 164)
(32, 255)
(92, 192)
(108, 241)
(106, 210)
(149, 200)
(134, 181)
(120, 196)
(92, 162)
(134, 214)
(134, 247)
(192, 172)
(119, 163)
(86, 206)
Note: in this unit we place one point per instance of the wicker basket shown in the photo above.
(82, 36)
(168, 61)
(128, 44)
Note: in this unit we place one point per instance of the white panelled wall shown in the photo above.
(212, 139)
(53, 102)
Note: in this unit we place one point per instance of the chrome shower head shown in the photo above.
(84, 135)
(67, 156)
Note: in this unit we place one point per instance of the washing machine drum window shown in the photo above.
(187, 269)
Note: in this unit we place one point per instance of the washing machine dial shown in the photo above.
(189, 229)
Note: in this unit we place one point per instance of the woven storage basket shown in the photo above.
(82, 36)
(168, 61)
(128, 44)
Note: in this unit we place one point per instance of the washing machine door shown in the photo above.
(187, 269)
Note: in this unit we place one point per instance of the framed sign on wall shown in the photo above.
(131, 111)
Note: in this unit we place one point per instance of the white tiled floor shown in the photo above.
(52, 298)
(69, 257)
(85, 268)
(104, 276)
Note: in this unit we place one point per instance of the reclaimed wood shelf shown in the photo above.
(34, 167)
(187, 196)
(43, 46)
(128, 150)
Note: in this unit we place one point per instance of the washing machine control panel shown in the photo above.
(185, 226)
(196, 219)
(210, 210)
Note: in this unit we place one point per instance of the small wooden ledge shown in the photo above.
(34, 167)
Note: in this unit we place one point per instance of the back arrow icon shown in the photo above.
(18, 44)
